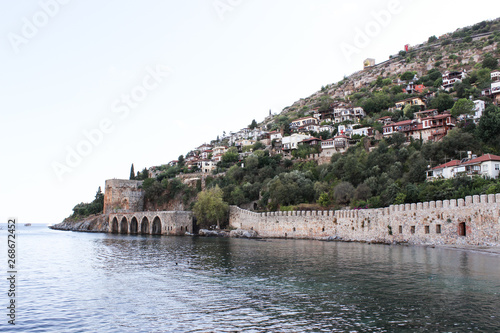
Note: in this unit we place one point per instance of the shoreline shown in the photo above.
(483, 249)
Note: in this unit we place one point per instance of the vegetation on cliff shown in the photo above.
(83, 210)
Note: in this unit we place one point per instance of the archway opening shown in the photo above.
(145, 226)
(114, 226)
(133, 225)
(156, 226)
(124, 226)
(462, 231)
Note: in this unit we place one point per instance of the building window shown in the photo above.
(400, 229)
(497, 167)
(438, 228)
(427, 229)
(412, 229)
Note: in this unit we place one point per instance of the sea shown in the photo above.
(93, 282)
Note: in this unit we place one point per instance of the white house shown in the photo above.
(338, 144)
(363, 131)
(487, 166)
(479, 107)
(303, 122)
(274, 135)
(292, 142)
(447, 170)
(450, 78)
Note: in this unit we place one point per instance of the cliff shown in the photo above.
(94, 223)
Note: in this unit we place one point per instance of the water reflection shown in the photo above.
(152, 283)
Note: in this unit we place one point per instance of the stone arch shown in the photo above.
(124, 226)
(145, 225)
(156, 226)
(133, 225)
(114, 226)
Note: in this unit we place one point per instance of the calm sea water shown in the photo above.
(80, 282)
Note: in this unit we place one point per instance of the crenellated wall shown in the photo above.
(474, 220)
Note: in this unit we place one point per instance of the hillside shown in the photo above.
(404, 118)
(462, 49)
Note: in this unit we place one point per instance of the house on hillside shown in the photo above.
(426, 113)
(446, 170)
(204, 147)
(385, 120)
(413, 88)
(308, 128)
(311, 142)
(431, 128)
(450, 78)
(479, 107)
(338, 144)
(348, 114)
(494, 91)
(410, 101)
(291, 142)
(363, 131)
(303, 122)
(219, 150)
(487, 166)
(275, 135)
(434, 128)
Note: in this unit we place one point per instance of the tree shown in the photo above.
(209, 207)
(432, 39)
(488, 129)
(490, 62)
(343, 193)
(408, 76)
(132, 173)
(442, 102)
(462, 106)
(253, 124)
(180, 161)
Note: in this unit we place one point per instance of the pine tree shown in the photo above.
(132, 173)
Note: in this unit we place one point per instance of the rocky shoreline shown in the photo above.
(94, 223)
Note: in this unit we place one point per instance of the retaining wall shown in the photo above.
(474, 220)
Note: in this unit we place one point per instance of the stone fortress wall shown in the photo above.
(152, 223)
(474, 220)
(123, 196)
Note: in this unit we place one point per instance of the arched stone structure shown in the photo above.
(124, 226)
(133, 226)
(114, 226)
(145, 226)
(156, 223)
(156, 230)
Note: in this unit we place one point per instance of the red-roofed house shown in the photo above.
(446, 170)
(487, 166)
(338, 144)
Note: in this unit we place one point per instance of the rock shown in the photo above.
(213, 233)
(240, 233)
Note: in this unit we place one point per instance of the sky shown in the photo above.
(90, 87)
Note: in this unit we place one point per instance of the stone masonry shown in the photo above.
(123, 196)
(471, 221)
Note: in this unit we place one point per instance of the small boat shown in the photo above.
(27, 224)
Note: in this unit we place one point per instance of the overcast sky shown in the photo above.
(89, 87)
